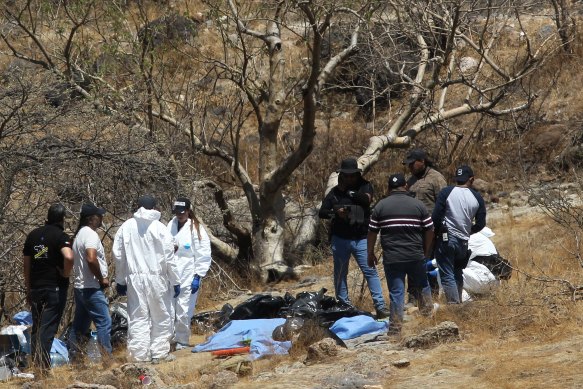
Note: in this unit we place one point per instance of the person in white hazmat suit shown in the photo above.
(485, 267)
(146, 270)
(193, 254)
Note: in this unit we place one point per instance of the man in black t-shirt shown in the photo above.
(48, 259)
(348, 205)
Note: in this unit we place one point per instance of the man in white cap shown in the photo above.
(145, 269)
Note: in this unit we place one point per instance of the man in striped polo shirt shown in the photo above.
(406, 239)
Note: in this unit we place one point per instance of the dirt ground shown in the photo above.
(524, 336)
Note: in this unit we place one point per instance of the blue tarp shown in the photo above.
(23, 317)
(240, 333)
(353, 327)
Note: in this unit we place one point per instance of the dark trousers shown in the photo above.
(46, 315)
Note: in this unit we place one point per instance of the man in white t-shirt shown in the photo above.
(90, 280)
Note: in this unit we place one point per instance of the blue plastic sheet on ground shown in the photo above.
(254, 332)
(23, 317)
(353, 327)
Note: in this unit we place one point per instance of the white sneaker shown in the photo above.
(167, 358)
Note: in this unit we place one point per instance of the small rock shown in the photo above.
(444, 332)
(468, 64)
(349, 381)
(546, 31)
(322, 350)
(224, 379)
(265, 376)
(441, 372)
(481, 185)
(401, 363)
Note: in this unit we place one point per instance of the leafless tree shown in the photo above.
(461, 68)
(251, 79)
(47, 156)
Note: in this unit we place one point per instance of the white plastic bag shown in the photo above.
(478, 279)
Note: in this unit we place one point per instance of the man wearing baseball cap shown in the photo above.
(90, 281)
(47, 261)
(459, 212)
(406, 239)
(424, 184)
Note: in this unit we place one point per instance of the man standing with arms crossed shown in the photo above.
(455, 210)
(406, 239)
(47, 259)
(424, 184)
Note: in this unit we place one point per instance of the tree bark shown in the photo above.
(268, 240)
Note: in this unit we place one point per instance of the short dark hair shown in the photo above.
(56, 214)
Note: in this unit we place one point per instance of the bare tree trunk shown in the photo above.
(268, 234)
(268, 239)
(565, 23)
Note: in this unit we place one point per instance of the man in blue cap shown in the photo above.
(459, 212)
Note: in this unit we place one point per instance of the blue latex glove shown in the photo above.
(121, 290)
(195, 284)
(176, 290)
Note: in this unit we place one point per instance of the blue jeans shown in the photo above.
(418, 285)
(91, 305)
(341, 251)
(451, 260)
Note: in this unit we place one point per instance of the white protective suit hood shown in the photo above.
(487, 232)
(480, 243)
(144, 260)
(147, 214)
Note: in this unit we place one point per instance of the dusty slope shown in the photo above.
(503, 344)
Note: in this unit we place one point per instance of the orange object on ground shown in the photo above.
(231, 351)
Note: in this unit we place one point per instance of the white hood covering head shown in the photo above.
(147, 214)
(487, 232)
(144, 261)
